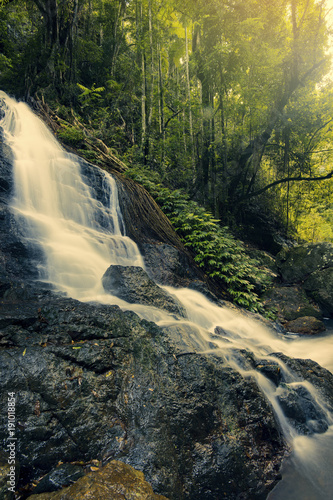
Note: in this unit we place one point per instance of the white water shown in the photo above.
(81, 238)
(59, 210)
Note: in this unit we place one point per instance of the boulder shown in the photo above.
(296, 400)
(133, 284)
(290, 303)
(63, 475)
(308, 325)
(299, 262)
(116, 480)
(167, 265)
(319, 286)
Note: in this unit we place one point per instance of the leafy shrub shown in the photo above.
(71, 135)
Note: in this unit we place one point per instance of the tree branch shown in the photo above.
(171, 118)
(286, 179)
(316, 132)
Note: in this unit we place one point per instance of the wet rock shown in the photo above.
(307, 324)
(116, 480)
(290, 303)
(320, 287)
(310, 371)
(299, 262)
(167, 265)
(133, 284)
(62, 476)
(5, 493)
(271, 370)
(300, 409)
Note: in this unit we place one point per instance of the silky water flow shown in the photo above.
(81, 237)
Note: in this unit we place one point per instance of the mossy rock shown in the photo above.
(290, 303)
(116, 481)
(306, 325)
(298, 263)
(320, 286)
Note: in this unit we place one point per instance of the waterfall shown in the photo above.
(81, 236)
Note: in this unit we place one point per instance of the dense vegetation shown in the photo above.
(223, 99)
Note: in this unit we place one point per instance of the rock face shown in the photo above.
(299, 262)
(17, 256)
(311, 266)
(290, 303)
(320, 286)
(116, 480)
(133, 284)
(166, 265)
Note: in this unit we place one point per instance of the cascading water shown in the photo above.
(81, 237)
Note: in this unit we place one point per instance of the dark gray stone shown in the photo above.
(299, 262)
(167, 265)
(319, 286)
(290, 303)
(307, 325)
(133, 284)
(121, 391)
(63, 475)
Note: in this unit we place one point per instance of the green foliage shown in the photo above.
(89, 97)
(71, 135)
(221, 256)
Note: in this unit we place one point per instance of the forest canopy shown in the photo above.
(224, 99)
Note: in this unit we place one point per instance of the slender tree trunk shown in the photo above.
(161, 105)
(188, 87)
(286, 165)
(152, 67)
(141, 56)
(143, 102)
(72, 41)
(116, 41)
(223, 188)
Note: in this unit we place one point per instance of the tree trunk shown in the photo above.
(188, 86)
(161, 106)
